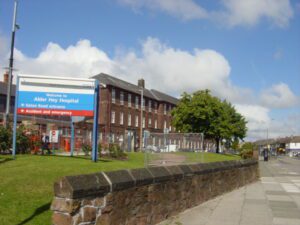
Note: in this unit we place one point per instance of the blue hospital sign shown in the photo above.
(55, 96)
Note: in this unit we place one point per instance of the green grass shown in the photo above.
(193, 157)
(26, 184)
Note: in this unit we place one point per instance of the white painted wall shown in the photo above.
(293, 146)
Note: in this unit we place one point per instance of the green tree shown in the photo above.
(200, 112)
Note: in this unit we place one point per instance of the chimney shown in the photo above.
(141, 83)
(5, 77)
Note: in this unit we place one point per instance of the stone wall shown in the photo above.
(145, 196)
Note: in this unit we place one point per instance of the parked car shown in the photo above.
(152, 148)
(169, 148)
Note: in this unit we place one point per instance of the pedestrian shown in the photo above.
(45, 144)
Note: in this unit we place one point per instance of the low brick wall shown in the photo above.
(145, 196)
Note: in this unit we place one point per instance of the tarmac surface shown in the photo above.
(274, 200)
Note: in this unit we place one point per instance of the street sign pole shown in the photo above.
(72, 136)
(15, 121)
(95, 123)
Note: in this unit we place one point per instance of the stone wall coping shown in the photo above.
(102, 183)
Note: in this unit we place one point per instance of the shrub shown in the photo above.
(116, 152)
(5, 139)
(86, 148)
(246, 153)
(23, 141)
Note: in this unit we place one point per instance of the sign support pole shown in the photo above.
(72, 137)
(95, 124)
(15, 121)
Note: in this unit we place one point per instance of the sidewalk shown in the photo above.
(274, 200)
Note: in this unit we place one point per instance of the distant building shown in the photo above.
(3, 93)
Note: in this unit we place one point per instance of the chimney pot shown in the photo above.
(5, 77)
(141, 83)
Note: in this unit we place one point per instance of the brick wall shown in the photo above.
(144, 196)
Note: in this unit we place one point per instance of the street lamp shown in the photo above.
(11, 65)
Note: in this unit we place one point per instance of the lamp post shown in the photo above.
(11, 65)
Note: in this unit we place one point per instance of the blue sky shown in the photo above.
(246, 51)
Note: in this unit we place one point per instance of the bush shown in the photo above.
(116, 152)
(246, 153)
(23, 141)
(86, 148)
(5, 139)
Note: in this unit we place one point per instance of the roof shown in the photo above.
(281, 140)
(3, 89)
(154, 94)
(164, 97)
(295, 139)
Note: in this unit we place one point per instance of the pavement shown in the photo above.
(273, 200)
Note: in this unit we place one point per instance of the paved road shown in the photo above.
(274, 200)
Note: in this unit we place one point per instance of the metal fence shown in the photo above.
(173, 148)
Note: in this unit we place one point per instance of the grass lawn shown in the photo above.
(26, 184)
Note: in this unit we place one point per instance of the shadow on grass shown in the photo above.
(3, 160)
(37, 212)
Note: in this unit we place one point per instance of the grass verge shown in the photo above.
(26, 184)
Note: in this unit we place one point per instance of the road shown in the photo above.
(274, 200)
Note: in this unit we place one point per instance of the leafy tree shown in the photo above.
(200, 112)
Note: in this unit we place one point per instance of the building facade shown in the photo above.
(120, 116)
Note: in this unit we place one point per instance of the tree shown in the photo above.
(200, 112)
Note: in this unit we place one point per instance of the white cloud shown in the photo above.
(249, 12)
(178, 70)
(261, 125)
(279, 96)
(184, 9)
(77, 60)
(233, 13)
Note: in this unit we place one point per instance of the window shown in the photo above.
(155, 107)
(144, 103)
(149, 122)
(136, 102)
(121, 98)
(113, 117)
(112, 138)
(150, 105)
(113, 95)
(129, 100)
(165, 124)
(129, 119)
(121, 118)
(155, 123)
(136, 121)
(165, 109)
(144, 122)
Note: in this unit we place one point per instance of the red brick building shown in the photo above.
(120, 110)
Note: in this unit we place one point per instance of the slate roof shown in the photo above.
(3, 89)
(116, 82)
